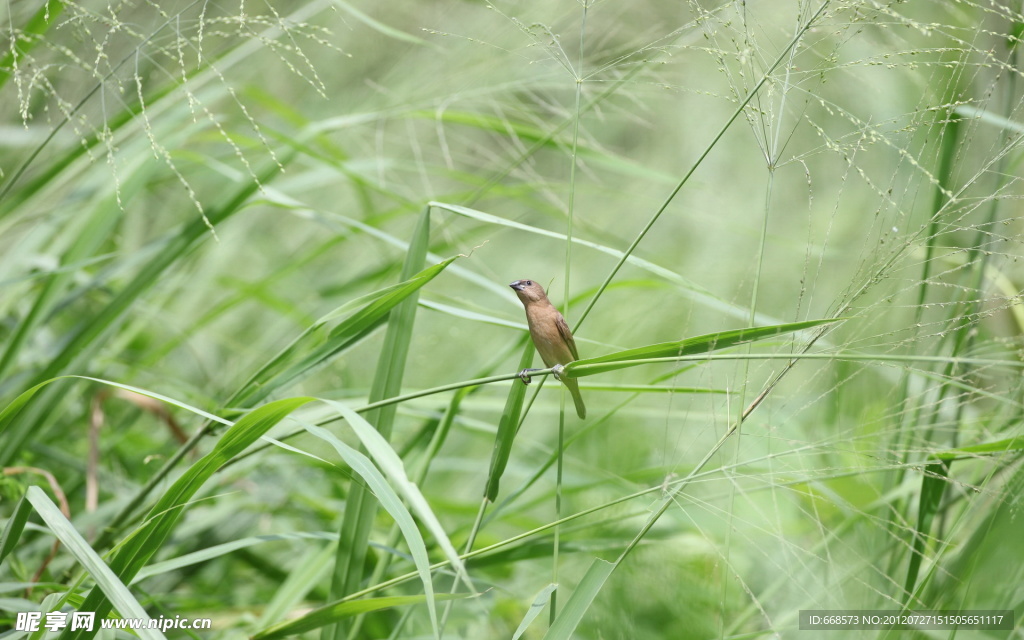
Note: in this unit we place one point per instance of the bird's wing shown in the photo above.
(563, 329)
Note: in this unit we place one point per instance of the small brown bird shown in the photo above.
(551, 335)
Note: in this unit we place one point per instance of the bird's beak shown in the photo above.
(517, 285)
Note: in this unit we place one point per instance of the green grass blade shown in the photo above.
(536, 608)
(15, 526)
(666, 274)
(580, 600)
(387, 496)
(690, 346)
(933, 485)
(390, 371)
(157, 396)
(107, 581)
(15, 407)
(389, 462)
(382, 28)
(311, 350)
(974, 450)
(307, 574)
(507, 427)
(216, 551)
(360, 507)
(649, 388)
(338, 611)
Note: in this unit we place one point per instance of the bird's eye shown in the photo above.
(528, 283)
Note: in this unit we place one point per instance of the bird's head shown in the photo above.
(529, 291)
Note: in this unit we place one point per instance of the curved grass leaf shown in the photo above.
(106, 580)
(690, 346)
(157, 396)
(542, 138)
(311, 349)
(934, 481)
(649, 388)
(382, 28)
(11, 411)
(389, 462)
(389, 499)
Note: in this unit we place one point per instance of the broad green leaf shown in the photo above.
(106, 580)
(690, 346)
(570, 616)
(539, 602)
(507, 428)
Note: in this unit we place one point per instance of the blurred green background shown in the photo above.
(187, 189)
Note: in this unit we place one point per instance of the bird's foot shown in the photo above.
(557, 371)
(524, 375)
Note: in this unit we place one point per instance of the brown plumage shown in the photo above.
(551, 335)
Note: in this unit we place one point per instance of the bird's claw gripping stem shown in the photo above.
(557, 371)
(524, 375)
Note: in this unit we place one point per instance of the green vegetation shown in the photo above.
(258, 355)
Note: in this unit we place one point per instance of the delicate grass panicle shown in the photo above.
(259, 358)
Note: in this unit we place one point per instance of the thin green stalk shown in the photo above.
(470, 541)
(553, 605)
(758, 267)
(560, 451)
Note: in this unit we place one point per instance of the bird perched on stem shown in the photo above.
(551, 335)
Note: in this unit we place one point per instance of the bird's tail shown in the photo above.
(577, 399)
